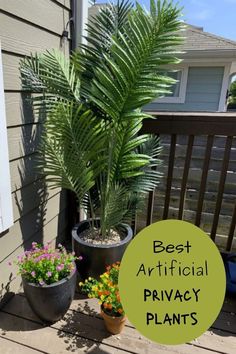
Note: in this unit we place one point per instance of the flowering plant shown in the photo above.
(105, 290)
(43, 265)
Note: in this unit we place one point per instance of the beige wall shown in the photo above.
(27, 26)
(94, 9)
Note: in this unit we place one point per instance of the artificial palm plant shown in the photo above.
(91, 142)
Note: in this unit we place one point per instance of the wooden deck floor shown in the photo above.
(82, 331)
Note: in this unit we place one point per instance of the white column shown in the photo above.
(6, 216)
(80, 18)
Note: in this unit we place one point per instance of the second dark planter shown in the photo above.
(95, 258)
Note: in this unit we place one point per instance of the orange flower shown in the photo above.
(106, 290)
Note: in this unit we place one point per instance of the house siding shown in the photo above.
(27, 26)
(202, 93)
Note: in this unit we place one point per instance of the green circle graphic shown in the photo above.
(172, 282)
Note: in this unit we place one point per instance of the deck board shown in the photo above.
(82, 331)
(47, 339)
(12, 347)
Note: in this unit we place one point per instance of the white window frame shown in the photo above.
(6, 213)
(228, 64)
(182, 88)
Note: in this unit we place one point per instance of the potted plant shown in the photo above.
(107, 292)
(49, 280)
(92, 142)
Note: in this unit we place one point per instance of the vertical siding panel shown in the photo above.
(22, 32)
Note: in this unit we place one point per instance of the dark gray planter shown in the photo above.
(51, 302)
(95, 258)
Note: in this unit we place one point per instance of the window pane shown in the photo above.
(175, 89)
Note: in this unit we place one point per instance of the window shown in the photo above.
(6, 216)
(178, 90)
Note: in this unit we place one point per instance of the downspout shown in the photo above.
(80, 18)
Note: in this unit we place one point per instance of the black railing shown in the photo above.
(200, 172)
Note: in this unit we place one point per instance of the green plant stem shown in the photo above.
(102, 198)
(93, 216)
(105, 229)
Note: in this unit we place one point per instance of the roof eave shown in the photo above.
(216, 53)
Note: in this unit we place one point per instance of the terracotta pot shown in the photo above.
(113, 324)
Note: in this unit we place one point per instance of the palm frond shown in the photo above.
(133, 60)
(93, 101)
(115, 207)
(52, 77)
(107, 24)
(152, 175)
(71, 149)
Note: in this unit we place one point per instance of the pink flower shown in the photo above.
(60, 267)
(34, 245)
(49, 274)
(80, 258)
(33, 273)
(41, 282)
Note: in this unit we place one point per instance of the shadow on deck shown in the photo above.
(82, 331)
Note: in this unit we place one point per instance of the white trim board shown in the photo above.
(209, 61)
(225, 85)
(233, 68)
(6, 214)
